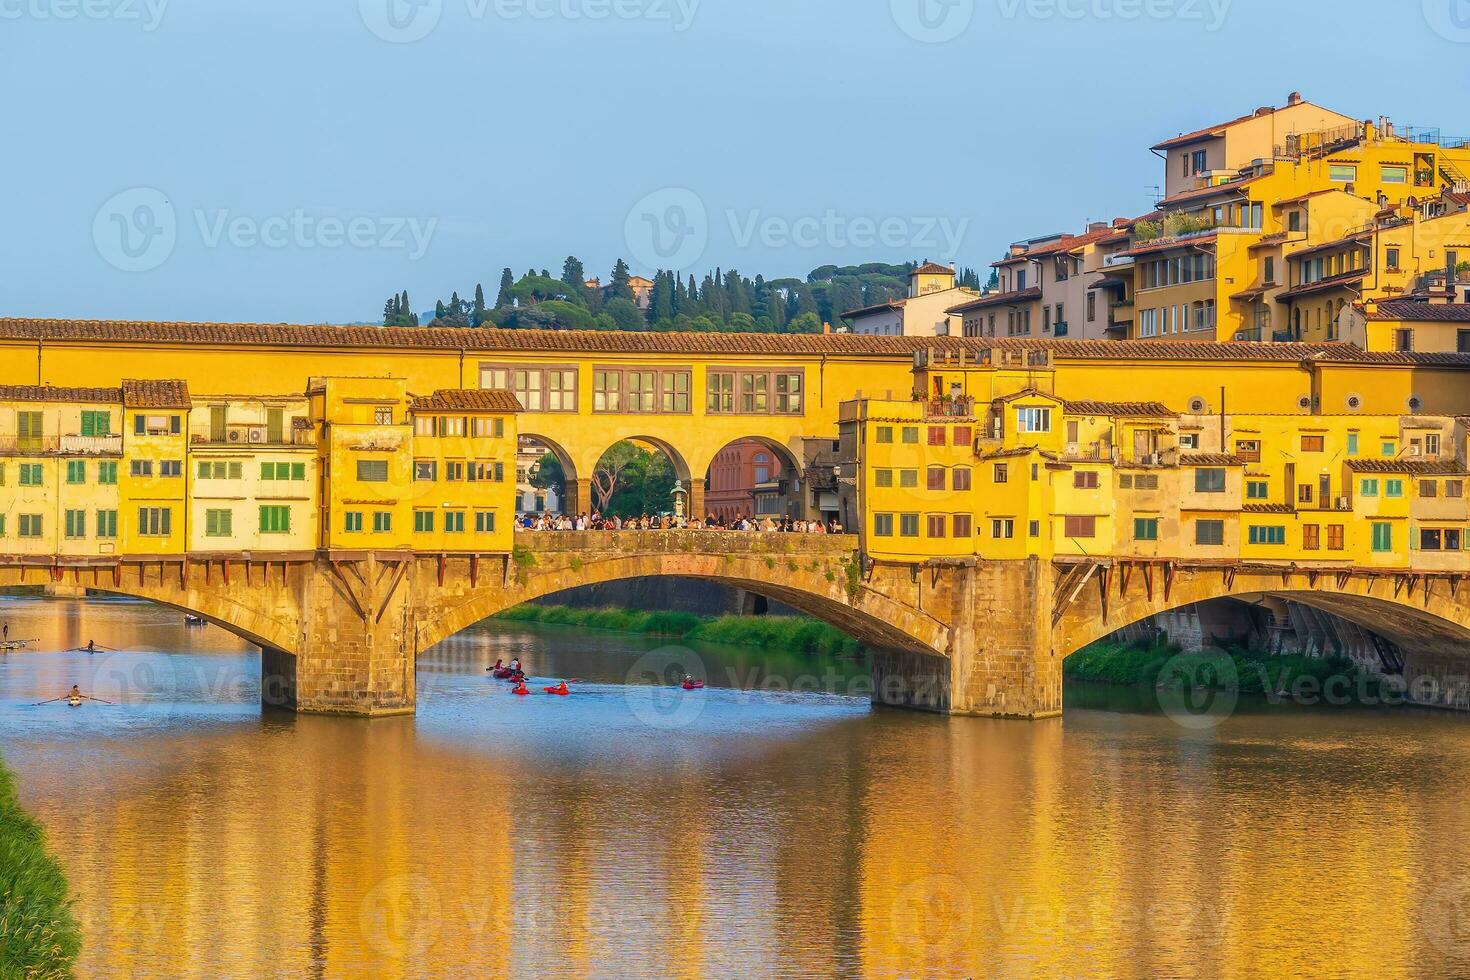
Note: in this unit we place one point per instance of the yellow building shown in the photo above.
(1409, 325)
(464, 451)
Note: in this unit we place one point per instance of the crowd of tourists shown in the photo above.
(672, 522)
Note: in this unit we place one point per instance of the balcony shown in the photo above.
(254, 436)
(950, 408)
(61, 445)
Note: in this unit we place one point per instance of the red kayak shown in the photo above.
(560, 690)
(693, 685)
(520, 689)
(501, 672)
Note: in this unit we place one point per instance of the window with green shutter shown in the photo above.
(107, 524)
(353, 521)
(382, 520)
(1382, 536)
(107, 472)
(1146, 529)
(219, 523)
(30, 525)
(274, 519)
(95, 423)
(485, 522)
(423, 521)
(1393, 488)
(76, 524)
(31, 474)
(454, 521)
(298, 471)
(76, 471)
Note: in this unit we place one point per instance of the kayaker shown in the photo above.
(560, 689)
(520, 689)
(499, 665)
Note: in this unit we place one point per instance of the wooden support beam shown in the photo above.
(1168, 579)
(1148, 581)
(474, 571)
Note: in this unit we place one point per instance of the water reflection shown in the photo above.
(788, 834)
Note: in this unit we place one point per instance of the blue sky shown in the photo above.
(297, 160)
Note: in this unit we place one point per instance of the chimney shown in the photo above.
(826, 327)
(1295, 98)
(1097, 226)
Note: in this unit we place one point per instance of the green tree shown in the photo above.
(661, 303)
(507, 280)
(572, 272)
(625, 315)
(620, 288)
(477, 314)
(548, 474)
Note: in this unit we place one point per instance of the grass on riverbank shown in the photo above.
(1253, 671)
(783, 632)
(39, 937)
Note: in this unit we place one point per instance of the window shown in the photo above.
(641, 386)
(1393, 488)
(28, 429)
(937, 435)
(938, 526)
(1084, 480)
(454, 521)
(154, 522)
(1387, 449)
(1209, 532)
(31, 474)
(484, 522)
(1394, 175)
(720, 397)
(1311, 538)
(1311, 444)
(1189, 440)
(1002, 528)
(1079, 527)
(453, 471)
(885, 435)
(1335, 537)
(936, 478)
(29, 526)
(1368, 488)
(1428, 488)
(1034, 529)
(910, 435)
(424, 470)
(76, 524)
(382, 521)
(755, 391)
(962, 525)
(1033, 420)
(788, 393)
(383, 415)
(372, 470)
(1382, 536)
(485, 471)
(352, 521)
(275, 519)
(1391, 259)
(483, 428)
(170, 467)
(676, 392)
(1209, 480)
(423, 521)
(1266, 534)
(908, 525)
(882, 478)
(1439, 539)
(106, 524)
(883, 525)
(1304, 493)
(96, 423)
(1248, 450)
(1403, 339)
(1257, 490)
(960, 478)
(1001, 473)
(219, 523)
(1352, 444)
(1454, 488)
(1145, 529)
(908, 479)
(1342, 173)
(1146, 481)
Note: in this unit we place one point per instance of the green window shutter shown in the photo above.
(298, 471)
(267, 471)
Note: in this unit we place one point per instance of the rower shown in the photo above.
(499, 664)
(91, 646)
(515, 666)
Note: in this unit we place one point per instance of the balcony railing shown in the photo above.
(950, 408)
(259, 436)
(61, 445)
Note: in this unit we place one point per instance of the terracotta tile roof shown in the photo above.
(1015, 451)
(1415, 467)
(1164, 244)
(1210, 459)
(1136, 410)
(998, 299)
(1228, 187)
(1267, 509)
(1266, 241)
(1421, 311)
(933, 269)
(582, 342)
(1361, 238)
(1070, 242)
(1322, 285)
(51, 393)
(155, 394)
(1199, 134)
(1288, 201)
(893, 304)
(467, 400)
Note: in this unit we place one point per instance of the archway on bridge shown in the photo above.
(638, 476)
(546, 477)
(757, 477)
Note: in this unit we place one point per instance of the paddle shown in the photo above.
(98, 700)
(52, 701)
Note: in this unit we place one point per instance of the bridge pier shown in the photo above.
(1001, 662)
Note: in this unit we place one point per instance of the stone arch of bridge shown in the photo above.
(872, 618)
(1415, 612)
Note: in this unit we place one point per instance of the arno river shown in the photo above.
(748, 830)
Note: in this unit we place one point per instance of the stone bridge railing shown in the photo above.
(703, 542)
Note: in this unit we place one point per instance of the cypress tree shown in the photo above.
(507, 281)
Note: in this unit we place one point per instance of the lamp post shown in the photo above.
(680, 495)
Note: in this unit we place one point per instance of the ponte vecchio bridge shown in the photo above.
(953, 632)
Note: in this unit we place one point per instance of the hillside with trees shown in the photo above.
(720, 301)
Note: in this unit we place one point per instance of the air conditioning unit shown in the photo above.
(257, 436)
(1413, 450)
(234, 435)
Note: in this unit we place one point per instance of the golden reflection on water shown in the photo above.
(819, 839)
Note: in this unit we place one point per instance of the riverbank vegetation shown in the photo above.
(777, 632)
(39, 937)
(1243, 670)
